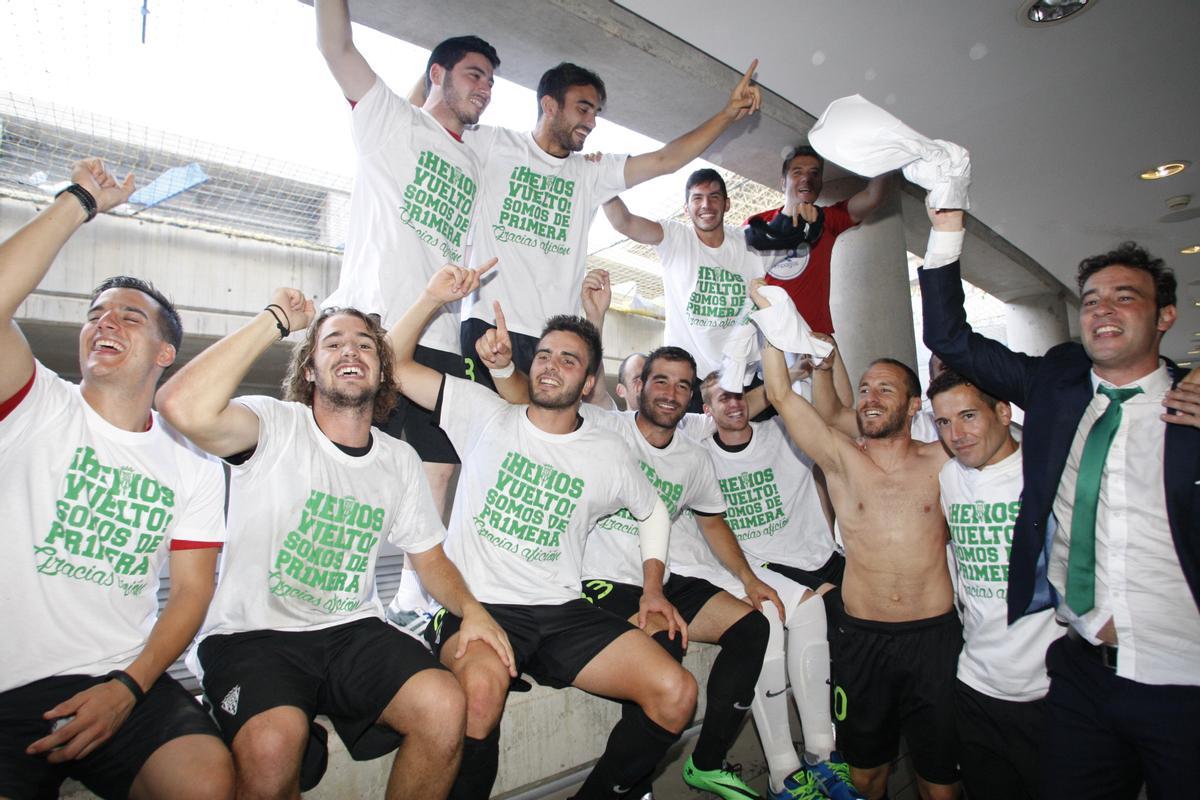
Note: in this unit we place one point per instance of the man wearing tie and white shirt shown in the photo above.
(1109, 528)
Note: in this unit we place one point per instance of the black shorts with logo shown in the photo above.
(416, 425)
(892, 679)
(551, 642)
(348, 672)
(168, 712)
(831, 571)
(687, 594)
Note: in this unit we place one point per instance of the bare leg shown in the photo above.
(194, 767)
(938, 791)
(871, 782)
(267, 752)
(430, 710)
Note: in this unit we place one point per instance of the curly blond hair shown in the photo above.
(298, 388)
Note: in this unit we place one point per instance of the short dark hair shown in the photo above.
(297, 388)
(668, 353)
(705, 175)
(801, 150)
(557, 80)
(169, 326)
(1129, 254)
(582, 328)
(625, 363)
(912, 384)
(450, 51)
(949, 379)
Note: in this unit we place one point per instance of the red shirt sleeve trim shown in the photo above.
(182, 544)
(11, 403)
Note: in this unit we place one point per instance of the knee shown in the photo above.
(674, 699)
(431, 708)
(872, 783)
(748, 636)
(267, 753)
(485, 692)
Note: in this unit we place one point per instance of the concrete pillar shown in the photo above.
(1037, 322)
(869, 292)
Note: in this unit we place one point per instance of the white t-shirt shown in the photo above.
(999, 660)
(95, 511)
(774, 509)
(683, 476)
(306, 521)
(535, 215)
(707, 290)
(413, 201)
(526, 499)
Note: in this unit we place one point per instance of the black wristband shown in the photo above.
(85, 199)
(284, 330)
(126, 680)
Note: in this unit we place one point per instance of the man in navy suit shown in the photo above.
(1121, 565)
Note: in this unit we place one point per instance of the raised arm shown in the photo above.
(985, 362)
(743, 101)
(626, 223)
(861, 205)
(419, 383)
(831, 387)
(336, 43)
(596, 297)
(727, 550)
(494, 349)
(27, 255)
(197, 399)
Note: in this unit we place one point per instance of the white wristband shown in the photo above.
(503, 372)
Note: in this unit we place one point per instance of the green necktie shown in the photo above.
(1081, 564)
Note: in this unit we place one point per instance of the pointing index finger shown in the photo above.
(491, 262)
(749, 74)
(501, 325)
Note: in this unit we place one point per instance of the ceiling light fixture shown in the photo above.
(1190, 251)
(1165, 170)
(1050, 12)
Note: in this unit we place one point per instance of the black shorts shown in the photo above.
(523, 348)
(829, 572)
(892, 679)
(688, 595)
(551, 643)
(1001, 744)
(167, 713)
(347, 672)
(416, 425)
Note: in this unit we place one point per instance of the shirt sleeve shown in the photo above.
(706, 496)
(837, 218)
(611, 179)
(47, 397)
(672, 230)
(270, 431)
(466, 411)
(379, 116)
(418, 526)
(202, 517)
(634, 490)
(480, 140)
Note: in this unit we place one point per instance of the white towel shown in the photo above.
(782, 326)
(858, 135)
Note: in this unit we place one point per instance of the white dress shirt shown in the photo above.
(1139, 583)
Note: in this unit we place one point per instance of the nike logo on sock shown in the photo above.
(776, 694)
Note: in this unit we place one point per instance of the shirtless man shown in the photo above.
(897, 638)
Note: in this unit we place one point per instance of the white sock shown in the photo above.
(808, 669)
(771, 712)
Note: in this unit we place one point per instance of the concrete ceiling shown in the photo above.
(1059, 120)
